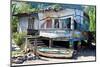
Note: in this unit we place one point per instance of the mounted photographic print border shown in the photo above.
(52, 33)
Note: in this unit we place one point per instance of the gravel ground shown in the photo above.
(83, 55)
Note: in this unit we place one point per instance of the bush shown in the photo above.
(19, 38)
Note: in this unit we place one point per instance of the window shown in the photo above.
(46, 23)
(66, 23)
(63, 21)
(75, 25)
(49, 23)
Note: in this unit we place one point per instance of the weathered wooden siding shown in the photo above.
(61, 14)
(75, 14)
(56, 14)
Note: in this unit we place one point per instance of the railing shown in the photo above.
(53, 33)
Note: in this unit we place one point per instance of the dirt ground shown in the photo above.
(83, 55)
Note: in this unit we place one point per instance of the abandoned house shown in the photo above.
(60, 25)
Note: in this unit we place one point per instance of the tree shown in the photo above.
(24, 8)
(14, 20)
(19, 38)
(91, 11)
(56, 7)
(14, 24)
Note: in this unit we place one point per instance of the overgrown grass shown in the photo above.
(17, 53)
(19, 38)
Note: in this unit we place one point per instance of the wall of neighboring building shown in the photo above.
(23, 24)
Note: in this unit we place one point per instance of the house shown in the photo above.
(62, 24)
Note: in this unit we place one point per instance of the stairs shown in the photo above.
(32, 42)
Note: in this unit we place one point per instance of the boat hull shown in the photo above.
(56, 53)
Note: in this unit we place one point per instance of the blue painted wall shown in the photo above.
(82, 23)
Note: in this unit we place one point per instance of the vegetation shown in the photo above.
(19, 38)
(56, 7)
(23, 7)
(14, 20)
(14, 24)
(91, 11)
(17, 53)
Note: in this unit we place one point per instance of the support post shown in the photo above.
(35, 50)
(71, 44)
(50, 43)
(26, 43)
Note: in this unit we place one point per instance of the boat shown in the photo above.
(55, 52)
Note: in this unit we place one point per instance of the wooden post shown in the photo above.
(50, 43)
(35, 49)
(26, 44)
(72, 32)
(72, 23)
(71, 44)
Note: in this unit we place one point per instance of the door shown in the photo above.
(31, 23)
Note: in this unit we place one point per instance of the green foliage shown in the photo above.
(91, 11)
(23, 7)
(20, 7)
(13, 6)
(14, 24)
(14, 20)
(56, 6)
(34, 10)
(19, 38)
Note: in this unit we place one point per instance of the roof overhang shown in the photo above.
(25, 14)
